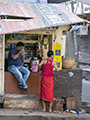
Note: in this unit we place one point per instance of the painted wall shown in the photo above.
(69, 43)
(2, 51)
(57, 35)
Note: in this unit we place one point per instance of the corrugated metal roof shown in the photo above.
(44, 15)
(16, 9)
(12, 27)
(54, 14)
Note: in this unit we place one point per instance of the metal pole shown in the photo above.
(81, 8)
(76, 50)
(72, 6)
(75, 41)
(38, 1)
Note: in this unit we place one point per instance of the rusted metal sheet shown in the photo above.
(43, 15)
(16, 9)
(18, 26)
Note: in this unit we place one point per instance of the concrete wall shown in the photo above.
(70, 51)
(67, 85)
(84, 47)
(84, 61)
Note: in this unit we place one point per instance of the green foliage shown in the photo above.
(8, 37)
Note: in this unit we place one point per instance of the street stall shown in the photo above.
(40, 28)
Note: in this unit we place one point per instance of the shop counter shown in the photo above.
(11, 84)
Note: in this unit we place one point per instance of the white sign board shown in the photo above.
(83, 30)
(86, 8)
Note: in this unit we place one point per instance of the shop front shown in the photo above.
(37, 44)
(35, 49)
(39, 32)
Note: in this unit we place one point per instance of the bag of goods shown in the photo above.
(68, 63)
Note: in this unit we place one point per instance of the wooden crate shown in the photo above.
(70, 103)
(58, 104)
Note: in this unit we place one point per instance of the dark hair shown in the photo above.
(49, 53)
(20, 44)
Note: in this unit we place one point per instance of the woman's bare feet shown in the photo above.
(50, 110)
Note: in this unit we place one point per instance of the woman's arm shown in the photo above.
(57, 70)
(41, 63)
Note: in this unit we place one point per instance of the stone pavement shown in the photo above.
(6, 113)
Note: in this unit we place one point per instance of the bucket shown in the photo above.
(34, 68)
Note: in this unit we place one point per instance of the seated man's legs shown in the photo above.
(15, 70)
(26, 73)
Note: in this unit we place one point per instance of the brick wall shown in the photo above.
(69, 83)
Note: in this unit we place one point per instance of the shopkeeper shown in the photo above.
(15, 65)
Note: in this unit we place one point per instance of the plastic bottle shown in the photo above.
(73, 111)
(78, 112)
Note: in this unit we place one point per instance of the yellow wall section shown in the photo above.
(58, 54)
(58, 34)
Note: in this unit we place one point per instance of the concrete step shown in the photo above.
(22, 101)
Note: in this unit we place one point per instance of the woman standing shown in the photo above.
(47, 80)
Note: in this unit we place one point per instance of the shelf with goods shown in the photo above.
(40, 49)
(0, 44)
(29, 51)
(29, 47)
(24, 41)
(32, 48)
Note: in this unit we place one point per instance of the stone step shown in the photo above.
(22, 101)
